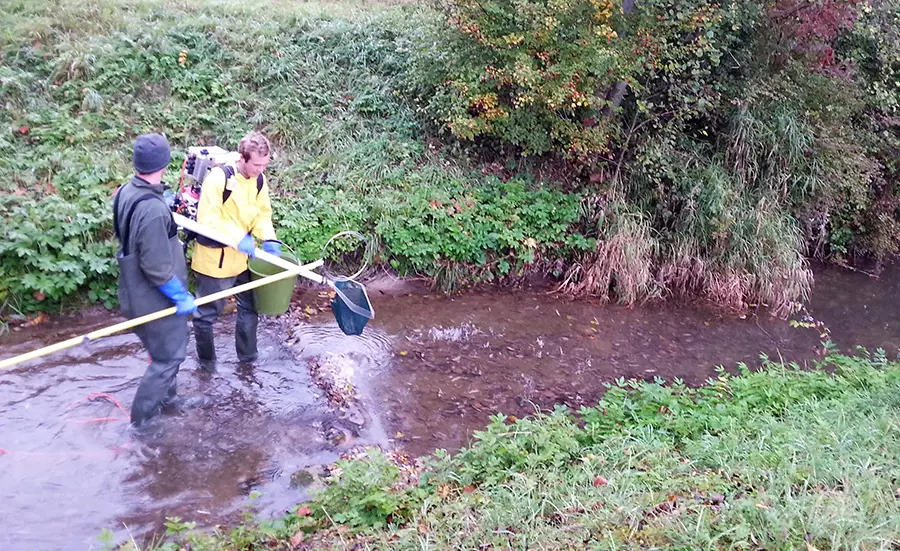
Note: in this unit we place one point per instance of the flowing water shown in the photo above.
(428, 371)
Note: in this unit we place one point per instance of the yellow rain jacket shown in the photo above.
(246, 210)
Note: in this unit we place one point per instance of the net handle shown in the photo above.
(335, 277)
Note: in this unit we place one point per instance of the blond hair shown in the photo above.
(254, 143)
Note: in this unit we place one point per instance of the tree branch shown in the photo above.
(616, 94)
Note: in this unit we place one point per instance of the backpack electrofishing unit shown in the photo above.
(350, 304)
(199, 161)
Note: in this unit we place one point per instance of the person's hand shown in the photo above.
(169, 198)
(247, 246)
(185, 305)
(272, 247)
(184, 301)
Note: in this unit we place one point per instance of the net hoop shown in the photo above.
(366, 255)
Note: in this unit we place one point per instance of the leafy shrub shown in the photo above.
(545, 77)
(498, 229)
(306, 221)
(52, 250)
(366, 494)
(526, 445)
(525, 72)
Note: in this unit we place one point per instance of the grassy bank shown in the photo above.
(775, 459)
(713, 182)
(80, 80)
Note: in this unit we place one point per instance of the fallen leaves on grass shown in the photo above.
(297, 539)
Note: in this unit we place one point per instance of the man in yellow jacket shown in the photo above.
(234, 201)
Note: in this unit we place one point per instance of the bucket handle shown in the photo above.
(285, 245)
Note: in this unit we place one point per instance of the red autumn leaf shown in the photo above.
(24, 130)
(39, 296)
(468, 489)
(304, 511)
(600, 481)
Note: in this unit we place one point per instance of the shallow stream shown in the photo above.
(428, 371)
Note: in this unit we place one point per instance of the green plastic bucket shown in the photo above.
(273, 298)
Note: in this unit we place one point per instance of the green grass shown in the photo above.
(81, 80)
(779, 459)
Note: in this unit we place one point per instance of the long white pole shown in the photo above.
(195, 227)
(113, 329)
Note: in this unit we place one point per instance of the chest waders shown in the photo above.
(166, 338)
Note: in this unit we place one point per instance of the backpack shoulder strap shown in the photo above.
(229, 174)
(127, 226)
(115, 207)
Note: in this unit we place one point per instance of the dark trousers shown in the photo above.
(244, 327)
(166, 341)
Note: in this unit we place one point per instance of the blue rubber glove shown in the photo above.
(169, 198)
(272, 247)
(184, 301)
(247, 246)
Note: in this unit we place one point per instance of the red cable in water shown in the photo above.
(96, 420)
(88, 398)
(91, 397)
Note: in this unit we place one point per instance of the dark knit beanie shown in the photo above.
(151, 153)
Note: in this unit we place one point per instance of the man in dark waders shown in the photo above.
(234, 201)
(152, 274)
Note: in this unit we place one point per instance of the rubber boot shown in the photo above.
(206, 347)
(156, 389)
(246, 324)
(172, 401)
(245, 336)
(175, 404)
(165, 340)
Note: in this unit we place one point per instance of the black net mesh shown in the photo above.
(351, 307)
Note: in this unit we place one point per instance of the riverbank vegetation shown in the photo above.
(630, 150)
(780, 458)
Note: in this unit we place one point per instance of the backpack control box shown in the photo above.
(197, 165)
(199, 161)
